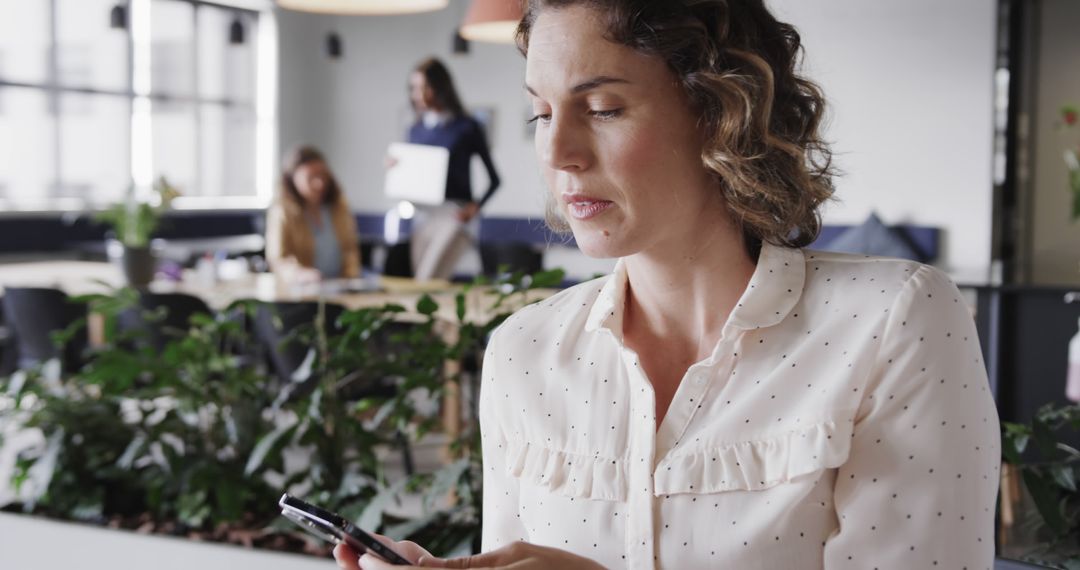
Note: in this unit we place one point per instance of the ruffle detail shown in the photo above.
(568, 474)
(757, 464)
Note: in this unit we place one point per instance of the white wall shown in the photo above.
(353, 107)
(1055, 251)
(910, 82)
(911, 88)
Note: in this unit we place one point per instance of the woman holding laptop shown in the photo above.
(440, 236)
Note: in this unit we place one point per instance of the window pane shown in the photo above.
(227, 151)
(94, 158)
(173, 128)
(27, 134)
(172, 51)
(24, 40)
(226, 70)
(90, 53)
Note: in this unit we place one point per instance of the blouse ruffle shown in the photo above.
(746, 465)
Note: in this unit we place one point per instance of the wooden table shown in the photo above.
(87, 277)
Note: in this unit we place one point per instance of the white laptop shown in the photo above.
(419, 175)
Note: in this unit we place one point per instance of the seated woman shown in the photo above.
(725, 399)
(310, 231)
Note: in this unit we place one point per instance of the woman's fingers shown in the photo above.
(346, 557)
(494, 559)
(406, 548)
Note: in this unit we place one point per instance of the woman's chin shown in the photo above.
(599, 244)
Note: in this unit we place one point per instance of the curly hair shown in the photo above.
(761, 121)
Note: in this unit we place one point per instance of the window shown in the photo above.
(88, 110)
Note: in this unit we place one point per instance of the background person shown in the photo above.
(310, 230)
(440, 235)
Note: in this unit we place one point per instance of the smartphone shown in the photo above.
(333, 528)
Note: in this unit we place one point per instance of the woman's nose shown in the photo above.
(565, 145)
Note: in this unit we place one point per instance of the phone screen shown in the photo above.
(333, 528)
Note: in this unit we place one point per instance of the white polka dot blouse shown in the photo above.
(844, 420)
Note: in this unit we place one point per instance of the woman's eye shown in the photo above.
(606, 114)
(544, 118)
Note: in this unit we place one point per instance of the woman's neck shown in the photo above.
(685, 291)
(313, 212)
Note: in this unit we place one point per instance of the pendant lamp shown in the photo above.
(363, 7)
(493, 21)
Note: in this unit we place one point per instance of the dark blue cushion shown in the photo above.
(872, 237)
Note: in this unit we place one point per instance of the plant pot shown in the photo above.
(138, 264)
(34, 543)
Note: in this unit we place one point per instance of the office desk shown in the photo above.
(86, 277)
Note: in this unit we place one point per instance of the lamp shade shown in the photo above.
(363, 7)
(492, 21)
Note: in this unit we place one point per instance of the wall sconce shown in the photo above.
(236, 32)
(118, 17)
(334, 47)
(461, 45)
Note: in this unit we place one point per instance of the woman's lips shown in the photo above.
(581, 208)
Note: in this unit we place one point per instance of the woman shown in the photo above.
(725, 399)
(440, 238)
(310, 231)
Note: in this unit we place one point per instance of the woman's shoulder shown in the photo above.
(564, 312)
(887, 287)
(840, 274)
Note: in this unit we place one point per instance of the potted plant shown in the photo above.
(198, 440)
(1040, 506)
(133, 223)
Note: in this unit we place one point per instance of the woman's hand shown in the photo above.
(468, 212)
(348, 559)
(516, 556)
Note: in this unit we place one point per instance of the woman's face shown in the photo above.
(312, 180)
(421, 94)
(616, 138)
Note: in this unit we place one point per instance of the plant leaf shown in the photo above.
(265, 445)
(548, 279)
(426, 305)
(1045, 494)
(1064, 476)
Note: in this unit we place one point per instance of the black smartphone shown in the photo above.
(333, 528)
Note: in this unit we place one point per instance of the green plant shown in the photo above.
(164, 433)
(196, 437)
(1047, 467)
(453, 495)
(134, 221)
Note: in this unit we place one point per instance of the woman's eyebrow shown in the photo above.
(589, 85)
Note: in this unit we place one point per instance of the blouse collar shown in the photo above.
(774, 289)
(432, 119)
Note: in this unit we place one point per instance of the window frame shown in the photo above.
(263, 106)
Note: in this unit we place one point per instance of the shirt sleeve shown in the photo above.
(501, 523)
(919, 487)
(484, 151)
